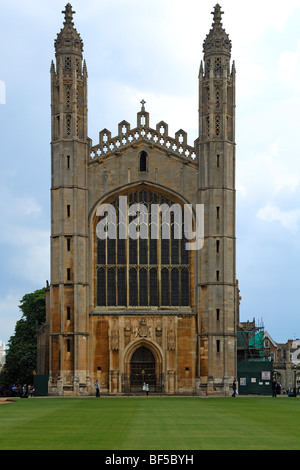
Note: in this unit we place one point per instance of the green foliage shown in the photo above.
(21, 351)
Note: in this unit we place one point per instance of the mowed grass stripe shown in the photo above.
(154, 423)
(204, 424)
(64, 423)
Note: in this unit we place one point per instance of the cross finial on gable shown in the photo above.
(143, 102)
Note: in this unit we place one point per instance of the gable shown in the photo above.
(145, 136)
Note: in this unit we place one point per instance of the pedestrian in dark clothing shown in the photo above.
(274, 388)
(278, 388)
(24, 391)
(234, 389)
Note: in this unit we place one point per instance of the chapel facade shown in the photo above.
(122, 309)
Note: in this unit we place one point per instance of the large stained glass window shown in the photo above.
(145, 271)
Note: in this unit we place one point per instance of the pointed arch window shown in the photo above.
(143, 161)
(144, 272)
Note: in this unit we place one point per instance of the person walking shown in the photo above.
(278, 388)
(146, 388)
(97, 385)
(234, 388)
(274, 388)
(24, 391)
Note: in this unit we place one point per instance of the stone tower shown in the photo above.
(69, 196)
(217, 289)
(123, 310)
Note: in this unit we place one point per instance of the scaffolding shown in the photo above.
(250, 341)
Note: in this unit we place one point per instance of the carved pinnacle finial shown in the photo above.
(69, 14)
(217, 14)
(217, 40)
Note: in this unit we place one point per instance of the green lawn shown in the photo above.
(154, 423)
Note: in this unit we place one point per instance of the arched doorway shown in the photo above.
(142, 369)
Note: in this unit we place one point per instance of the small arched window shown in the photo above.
(143, 161)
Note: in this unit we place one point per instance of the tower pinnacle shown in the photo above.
(217, 14)
(68, 40)
(69, 14)
(217, 41)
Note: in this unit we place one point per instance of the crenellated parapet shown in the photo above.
(157, 138)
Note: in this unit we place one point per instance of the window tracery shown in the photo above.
(144, 272)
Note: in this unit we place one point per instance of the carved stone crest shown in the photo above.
(143, 329)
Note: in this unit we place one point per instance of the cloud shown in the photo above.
(14, 207)
(24, 244)
(125, 103)
(289, 69)
(289, 219)
(9, 314)
(24, 253)
(272, 169)
(28, 251)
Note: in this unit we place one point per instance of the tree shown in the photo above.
(21, 353)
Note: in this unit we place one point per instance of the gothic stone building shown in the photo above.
(126, 310)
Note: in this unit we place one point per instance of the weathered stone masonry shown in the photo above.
(124, 311)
